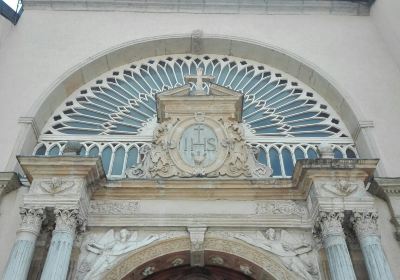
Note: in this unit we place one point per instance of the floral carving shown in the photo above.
(155, 159)
(365, 223)
(330, 223)
(113, 207)
(66, 220)
(31, 219)
(241, 159)
(281, 208)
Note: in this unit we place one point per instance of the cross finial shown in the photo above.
(198, 80)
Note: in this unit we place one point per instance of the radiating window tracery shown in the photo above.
(116, 112)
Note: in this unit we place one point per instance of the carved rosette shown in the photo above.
(365, 224)
(66, 220)
(31, 219)
(330, 224)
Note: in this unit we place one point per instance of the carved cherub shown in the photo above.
(111, 246)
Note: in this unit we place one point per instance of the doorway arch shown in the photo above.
(221, 256)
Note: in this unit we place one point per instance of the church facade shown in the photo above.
(200, 141)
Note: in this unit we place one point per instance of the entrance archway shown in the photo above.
(222, 258)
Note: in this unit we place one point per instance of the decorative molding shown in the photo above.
(9, 181)
(32, 219)
(281, 207)
(113, 207)
(354, 8)
(32, 122)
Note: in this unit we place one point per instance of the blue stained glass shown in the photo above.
(287, 162)
(54, 151)
(41, 151)
(275, 162)
(337, 153)
(350, 153)
(299, 154)
(94, 152)
(118, 162)
(312, 154)
(262, 156)
(106, 158)
(132, 157)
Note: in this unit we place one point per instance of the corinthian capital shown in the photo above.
(31, 219)
(330, 223)
(66, 220)
(365, 223)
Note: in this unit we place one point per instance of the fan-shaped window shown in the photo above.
(115, 114)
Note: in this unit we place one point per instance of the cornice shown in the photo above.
(354, 8)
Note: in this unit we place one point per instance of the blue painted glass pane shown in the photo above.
(54, 151)
(337, 153)
(82, 152)
(118, 164)
(299, 154)
(262, 156)
(350, 153)
(287, 162)
(94, 152)
(105, 158)
(41, 151)
(312, 154)
(275, 162)
(132, 157)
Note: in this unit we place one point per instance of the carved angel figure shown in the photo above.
(111, 246)
(292, 252)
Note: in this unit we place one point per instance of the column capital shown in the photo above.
(330, 223)
(31, 219)
(365, 223)
(66, 220)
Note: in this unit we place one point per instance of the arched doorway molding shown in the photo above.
(135, 50)
(265, 260)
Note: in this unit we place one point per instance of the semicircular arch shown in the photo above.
(262, 259)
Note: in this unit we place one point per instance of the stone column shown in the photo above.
(58, 256)
(366, 227)
(340, 265)
(22, 252)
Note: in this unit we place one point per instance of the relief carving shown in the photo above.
(109, 248)
(56, 185)
(113, 207)
(199, 152)
(294, 252)
(340, 187)
(281, 208)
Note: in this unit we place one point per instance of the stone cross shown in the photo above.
(199, 79)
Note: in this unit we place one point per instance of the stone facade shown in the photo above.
(198, 198)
